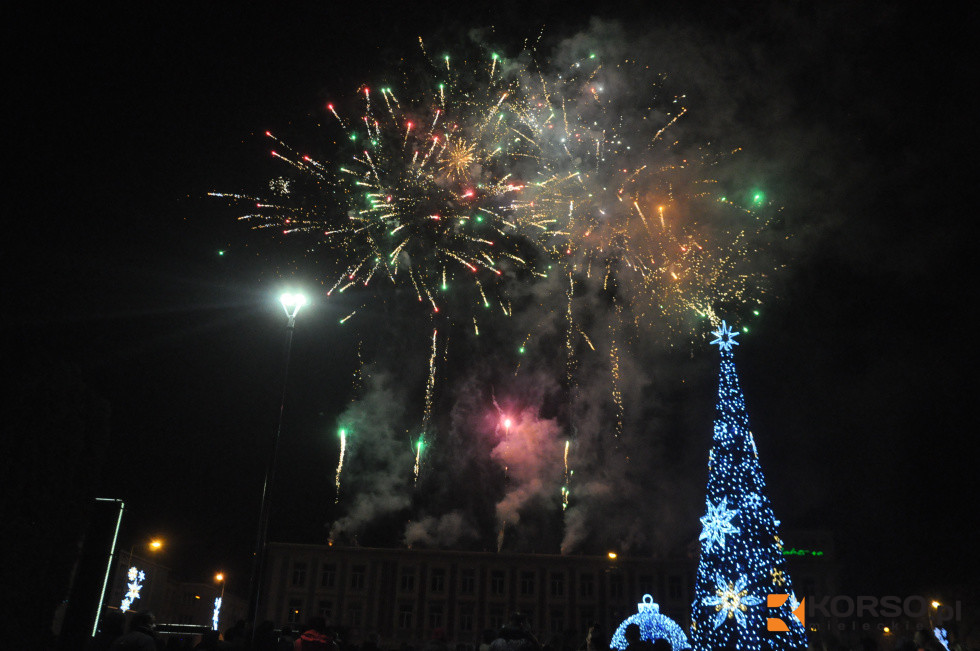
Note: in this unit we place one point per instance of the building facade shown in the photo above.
(407, 595)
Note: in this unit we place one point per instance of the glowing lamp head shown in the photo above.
(292, 303)
(219, 577)
(612, 556)
(507, 423)
(936, 604)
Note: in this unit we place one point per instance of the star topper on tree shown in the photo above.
(725, 337)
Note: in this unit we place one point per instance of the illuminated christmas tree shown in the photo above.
(741, 554)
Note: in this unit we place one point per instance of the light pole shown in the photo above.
(291, 303)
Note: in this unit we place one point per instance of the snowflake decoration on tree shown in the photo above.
(777, 576)
(753, 500)
(725, 337)
(718, 522)
(731, 600)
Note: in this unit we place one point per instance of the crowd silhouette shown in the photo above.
(319, 635)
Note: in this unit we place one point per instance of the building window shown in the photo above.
(556, 622)
(646, 584)
(495, 616)
(328, 576)
(497, 585)
(299, 574)
(466, 617)
(587, 585)
(357, 573)
(557, 584)
(325, 609)
(527, 583)
(294, 614)
(354, 613)
(406, 581)
(616, 586)
(586, 617)
(617, 614)
(467, 581)
(528, 613)
(436, 615)
(437, 582)
(674, 587)
(406, 614)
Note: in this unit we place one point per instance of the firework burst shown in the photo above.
(490, 172)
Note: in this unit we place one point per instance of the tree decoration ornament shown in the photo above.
(725, 338)
(777, 577)
(653, 626)
(741, 560)
(717, 522)
(731, 599)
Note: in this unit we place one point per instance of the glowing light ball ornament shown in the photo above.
(741, 560)
(653, 626)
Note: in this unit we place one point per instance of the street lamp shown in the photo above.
(154, 545)
(291, 303)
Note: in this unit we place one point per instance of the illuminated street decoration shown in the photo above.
(802, 552)
(134, 585)
(653, 626)
(741, 560)
(214, 615)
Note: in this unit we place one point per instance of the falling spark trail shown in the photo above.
(340, 463)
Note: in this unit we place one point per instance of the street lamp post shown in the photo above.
(291, 303)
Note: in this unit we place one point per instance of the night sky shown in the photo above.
(856, 372)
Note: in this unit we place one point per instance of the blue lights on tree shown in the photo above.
(653, 626)
(741, 553)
